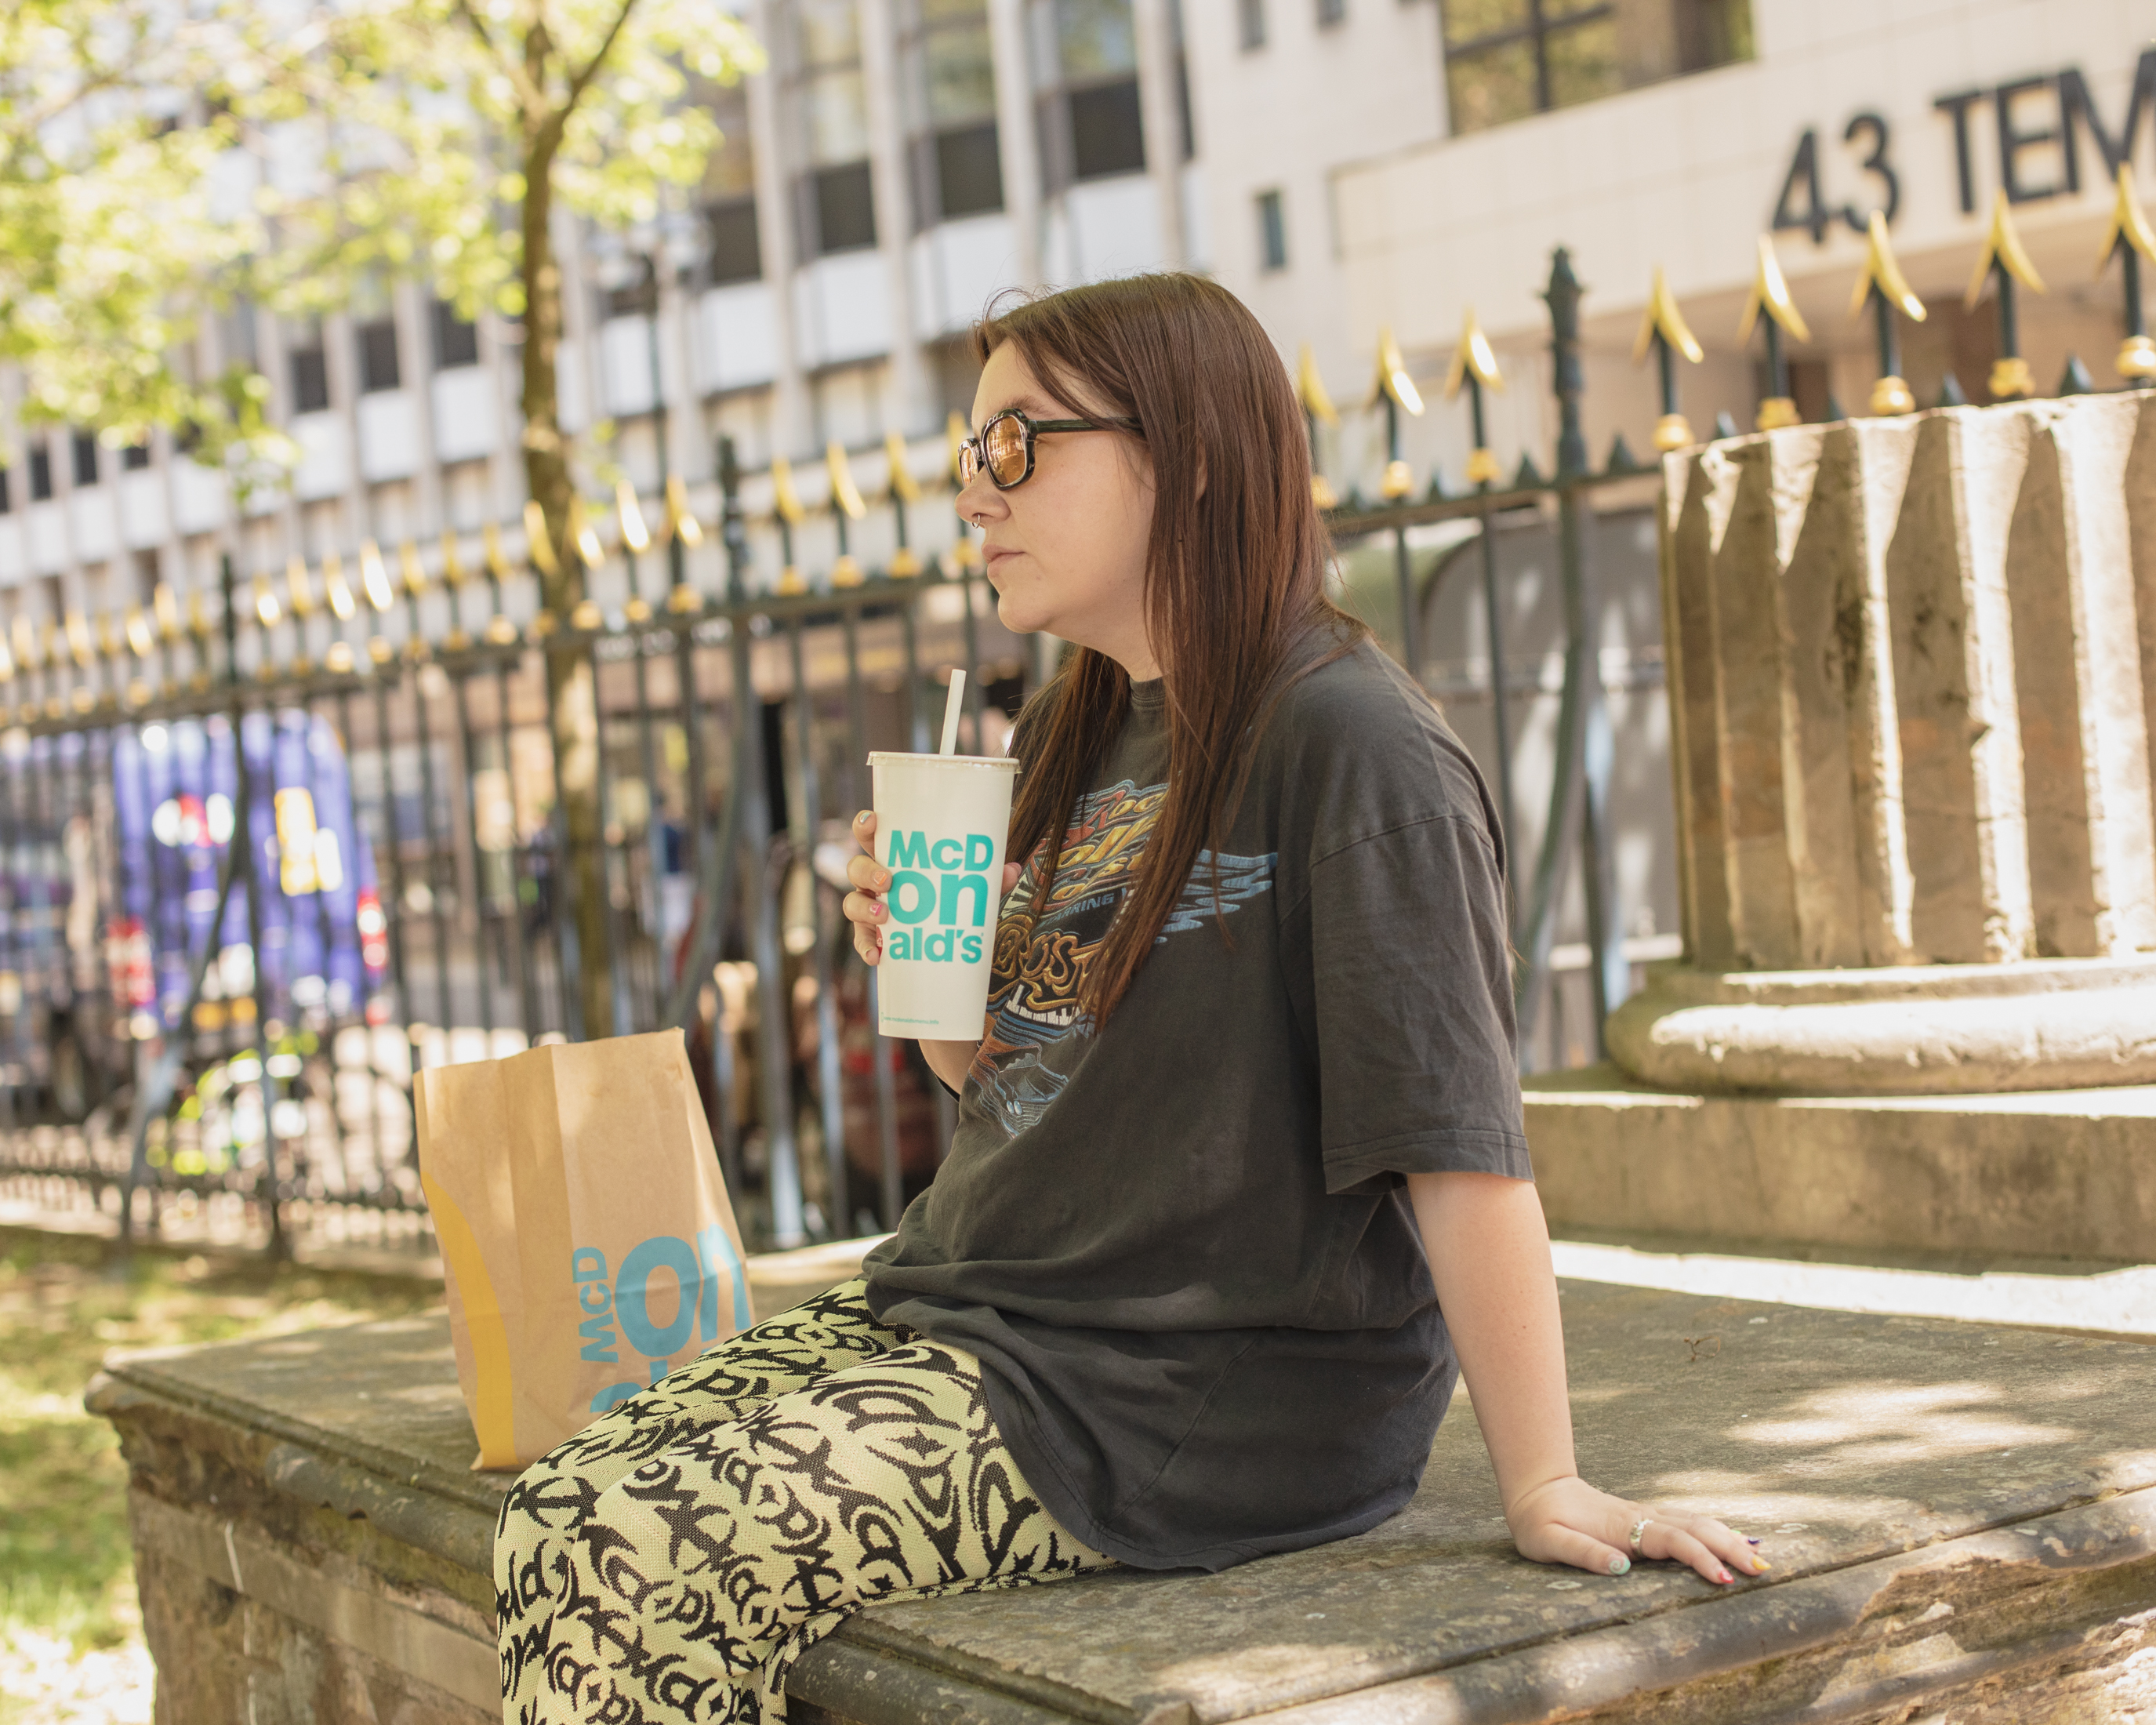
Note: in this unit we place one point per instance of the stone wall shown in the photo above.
(1911, 667)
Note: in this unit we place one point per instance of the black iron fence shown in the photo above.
(270, 848)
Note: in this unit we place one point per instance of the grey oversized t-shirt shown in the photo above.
(1180, 1247)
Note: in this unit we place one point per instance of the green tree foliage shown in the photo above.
(164, 157)
(112, 244)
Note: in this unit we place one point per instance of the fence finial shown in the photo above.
(1770, 293)
(1393, 380)
(2005, 258)
(2128, 235)
(538, 545)
(1472, 358)
(298, 589)
(140, 639)
(786, 507)
(1664, 332)
(635, 534)
(1310, 389)
(1881, 286)
(682, 521)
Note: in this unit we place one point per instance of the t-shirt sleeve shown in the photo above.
(1410, 1002)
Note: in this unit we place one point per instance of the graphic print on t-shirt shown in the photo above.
(1040, 964)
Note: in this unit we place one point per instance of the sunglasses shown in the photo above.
(1003, 448)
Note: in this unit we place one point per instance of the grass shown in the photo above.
(70, 1634)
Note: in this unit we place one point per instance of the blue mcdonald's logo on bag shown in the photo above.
(698, 1272)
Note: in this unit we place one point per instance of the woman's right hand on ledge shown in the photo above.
(1566, 1521)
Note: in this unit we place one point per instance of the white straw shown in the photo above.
(951, 713)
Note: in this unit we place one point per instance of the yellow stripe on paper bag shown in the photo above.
(492, 1418)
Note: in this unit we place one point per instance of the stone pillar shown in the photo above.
(1911, 674)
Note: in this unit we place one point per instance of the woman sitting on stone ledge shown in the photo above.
(1239, 1187)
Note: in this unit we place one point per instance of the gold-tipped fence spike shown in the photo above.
(682, 519)
(1472, 356)
(497, 561)
(1310, 389)
(2128, 226)
(1663, 317)
(140, 637)
(452, 566)
(79, 640)
(298, 589)
(2002, 246)
(584, 536)
(336, 589)
(1770, 292)
(902, 484)
(7, 662)
(538, 546)
(1393, 378)
(167, 605)
(410, 568)
(785, 500)
(373, 578)
(635, 534)
(26, 642)
(845, 493)
(267, 610)
(109, 643)
(1883, 270)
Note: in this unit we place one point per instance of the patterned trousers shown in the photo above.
(671, 1561)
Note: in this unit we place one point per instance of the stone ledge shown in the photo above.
(1914, 1559)
(1937, 1029)
(2068, 1174)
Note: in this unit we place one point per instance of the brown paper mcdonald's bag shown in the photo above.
(588, 1240)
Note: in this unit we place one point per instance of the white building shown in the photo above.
(1343, 165)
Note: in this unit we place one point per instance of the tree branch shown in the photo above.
(582, 82)
(529, 94)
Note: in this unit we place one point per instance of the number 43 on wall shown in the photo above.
(1801, 204)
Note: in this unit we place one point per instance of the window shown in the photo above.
(84, 445)
(41, 471)
(837, 194)
(7, 499)
(1085, 62)
(735, 242)
(1251, 19)
(310, 367)
(1272, 232)
(134, 457)
(1331, 13)
(377, 354)
(1507, 58)
(949, 86)
(456, 340)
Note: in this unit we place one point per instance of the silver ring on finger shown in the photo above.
(1639, 1533)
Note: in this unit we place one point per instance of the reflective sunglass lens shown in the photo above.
(1003, 442)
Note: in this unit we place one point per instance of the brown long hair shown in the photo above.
(1234, 580)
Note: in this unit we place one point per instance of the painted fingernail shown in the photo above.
(1754, 1542)
(1619, 1564)
(1760, 1562)
(1722, 1575)
(862, 818)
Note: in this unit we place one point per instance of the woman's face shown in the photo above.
(1066, 549)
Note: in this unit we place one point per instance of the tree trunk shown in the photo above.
(572, 695)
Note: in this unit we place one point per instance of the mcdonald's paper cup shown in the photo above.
(940, 823)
